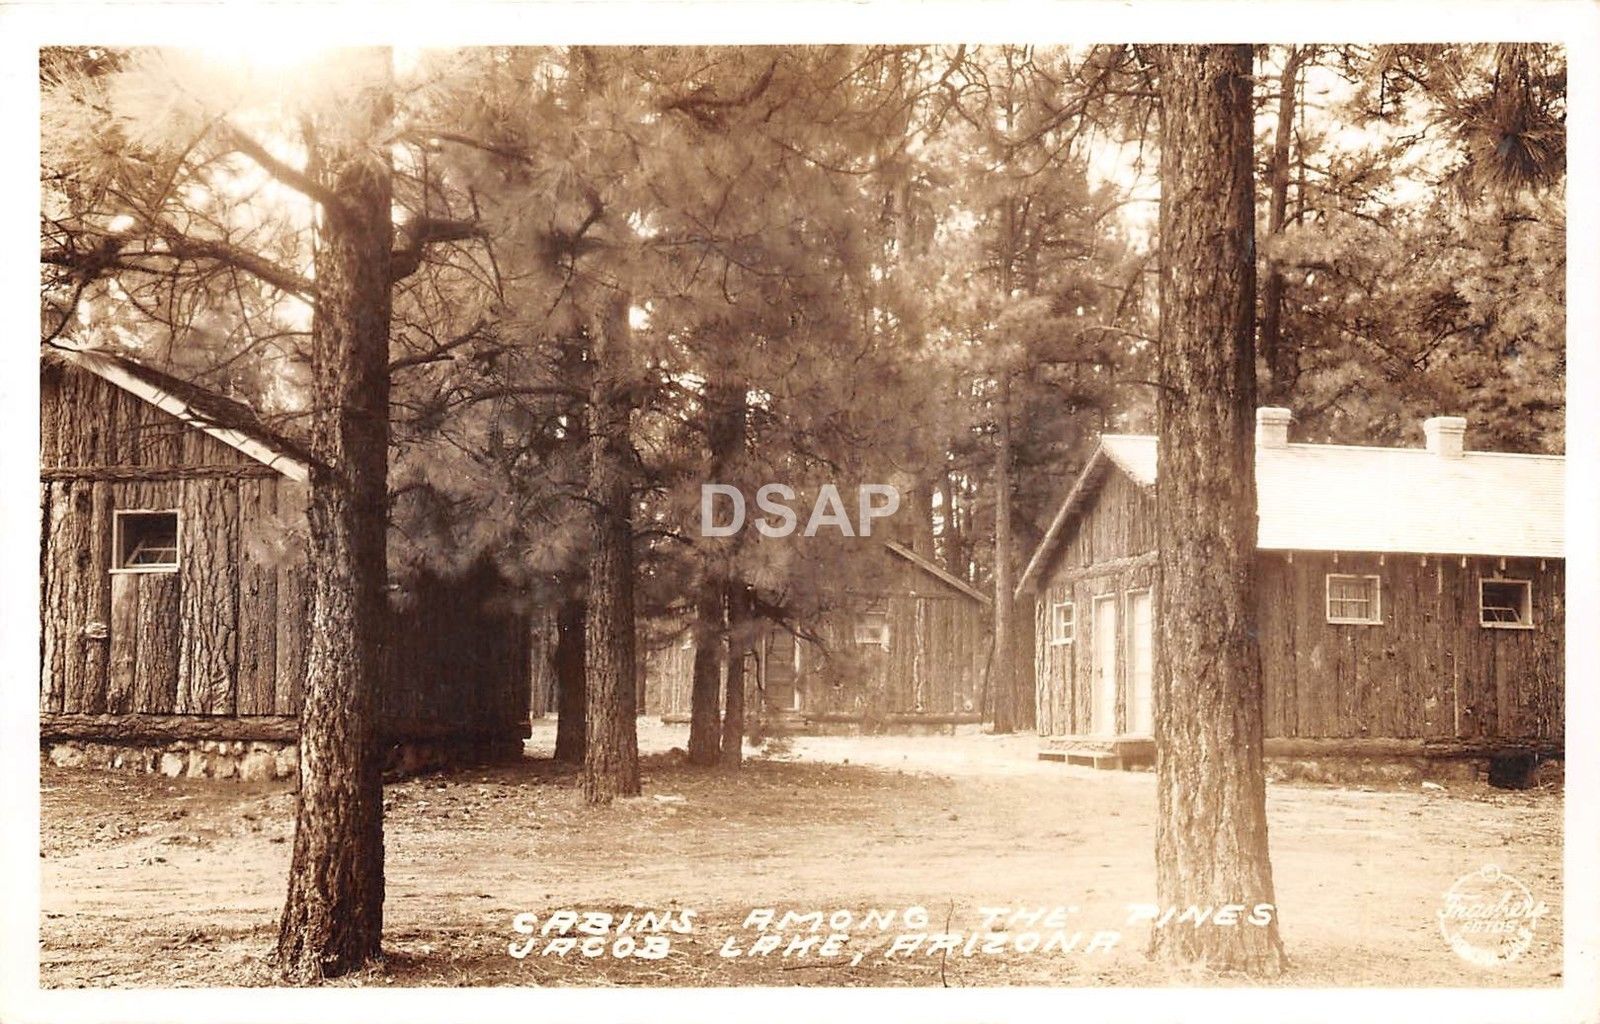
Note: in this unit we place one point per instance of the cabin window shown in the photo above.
(1505, 604)
(145, 541)
(872, 629)
(1355, 600)
(1062, 622)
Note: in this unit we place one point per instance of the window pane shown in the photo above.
(872, 628)
(1353, 597)
(1061, 625)
(147, 540)
(1506, 601)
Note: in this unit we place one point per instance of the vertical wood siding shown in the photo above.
(208, 597)
(1429, 671)
(258, 599)
(934, 664)
(225, 633)
(457, 663)
(1093, 562)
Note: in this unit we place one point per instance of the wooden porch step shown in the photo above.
(1107, 752)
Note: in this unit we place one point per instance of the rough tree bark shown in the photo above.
(1024, 683)
(705, 715)
(951, 556)
(725, 416)
(1211, 825)
(611, 756)
(333, 916)
(733, 700)
(1279, 358)
(570, 716)
(1002, 683)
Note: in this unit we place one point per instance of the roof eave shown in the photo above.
(114, 373)
(1082, 488)
(938, 572)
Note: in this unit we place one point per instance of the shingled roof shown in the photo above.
(1327, 497)
(233, 423)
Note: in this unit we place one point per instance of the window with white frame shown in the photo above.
(145, 541)
(1505, 604)
(1355, 599)
(1062, 622)
(872, 629)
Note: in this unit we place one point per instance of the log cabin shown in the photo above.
(174, 602)
(1410, 602)
(904, 653)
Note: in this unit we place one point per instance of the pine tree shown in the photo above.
(1211, 818)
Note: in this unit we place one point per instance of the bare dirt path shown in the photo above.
(151, 881)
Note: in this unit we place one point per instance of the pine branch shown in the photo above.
(423, 232)
(289, 175)
(441, 351)
(431, 139)
(108, 251)
(707, 109)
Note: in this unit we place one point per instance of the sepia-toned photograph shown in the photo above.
(863, 515)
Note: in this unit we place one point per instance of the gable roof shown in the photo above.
(232, 423)
(1328, 497)
(937, 572)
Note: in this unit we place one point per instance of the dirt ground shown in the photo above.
(148, 881)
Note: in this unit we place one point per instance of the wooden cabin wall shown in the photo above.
(1111, 552)
(457, 662)
(935, 662)
(226, 634)
(223, 635)
(1429, 671)
(1120, 523)
(239, 593)
(1065, 694)
(669, 679)
(938, 644)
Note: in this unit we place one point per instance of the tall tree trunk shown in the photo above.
(1024, 683)
(1211, 823)
(918, 515)
(733, 700)
(570, 697)
(705, 716)
(1278, 355)
(333, 915)
(1002, 682)
(725, 416)
(949, 527)
(611, 757)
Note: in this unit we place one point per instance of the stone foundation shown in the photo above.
(262, 760)
(245, 760)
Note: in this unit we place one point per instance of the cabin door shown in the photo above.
(1142, 719)
(1105, 666)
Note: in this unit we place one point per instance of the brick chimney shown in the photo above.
(1272, 427)
(1446, 435)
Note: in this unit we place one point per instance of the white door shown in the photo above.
(1142, 711)
(1105, 666)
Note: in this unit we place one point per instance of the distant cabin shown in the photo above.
(906, 651)
(175, 591)
(1410, 601)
